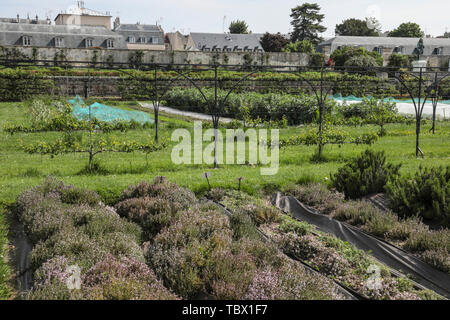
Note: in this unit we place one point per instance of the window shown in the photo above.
(109, 43)
(131, 39)
(155, 40)
(379, 50)
(438, 51)
(59, 42)
(26, 40)
(88, 43)
(400, 50)
(143, 40)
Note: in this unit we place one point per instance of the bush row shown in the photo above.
(426, 194)
(139, 84)
(410, 233)
(70, 229)
(325, 253)
(194, 249)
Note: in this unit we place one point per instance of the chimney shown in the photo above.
(116, 23)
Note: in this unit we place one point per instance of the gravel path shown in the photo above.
(194, 115)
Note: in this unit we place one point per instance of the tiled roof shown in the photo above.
(221, 40)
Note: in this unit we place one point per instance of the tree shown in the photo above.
(356, 27)
(341, 56)
(273, 42)
(361, 63)
(407, 30)
(397, 60)
(306, 22)
(304, 46)
(238, 27)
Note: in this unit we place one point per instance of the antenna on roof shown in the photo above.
(223, 25)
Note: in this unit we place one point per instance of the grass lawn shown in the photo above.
(19, 170)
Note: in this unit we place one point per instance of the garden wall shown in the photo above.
(169, 57)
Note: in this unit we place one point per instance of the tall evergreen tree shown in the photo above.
(238, 27)
(306, 23)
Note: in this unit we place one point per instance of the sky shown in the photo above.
(261, 15)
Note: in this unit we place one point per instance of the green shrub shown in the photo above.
(426, 194)
(365, 174)
(289, 224)
(243, 227)
(397, 61)
(342, 55)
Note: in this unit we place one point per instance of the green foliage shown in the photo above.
(397, 60)
(5, 272)
(238, 27)
(365, 174)
(355, 27)
(304, 46)
(370, 111)
(426, 194)
(317, 59)
(362, 62)
(19, 85)
(300, 228)
(327, 136)
(344, 54)
(79, 143)
(135, 59)
(273, 42)
(306, 23)
(254, 108)
(407, 30)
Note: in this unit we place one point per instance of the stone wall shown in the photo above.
(171, 57)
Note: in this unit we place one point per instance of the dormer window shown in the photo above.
(88, 43)
(438, 51)
(109, 44)
(59, 42)
(26, 41)
(400, 50)
(379, 50)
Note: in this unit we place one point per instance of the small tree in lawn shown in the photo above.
(94, 145)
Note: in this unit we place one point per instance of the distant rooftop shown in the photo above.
(81, 10)
(229, 40)
(138, 27)
(384, 41)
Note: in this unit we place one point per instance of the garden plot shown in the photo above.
(338, 260)
(189, 248)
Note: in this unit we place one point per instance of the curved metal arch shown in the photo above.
(237, 84)
(194, 84)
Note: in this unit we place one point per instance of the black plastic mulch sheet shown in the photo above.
(384, 252)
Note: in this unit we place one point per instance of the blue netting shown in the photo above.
(106, 113)
(353, 98)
